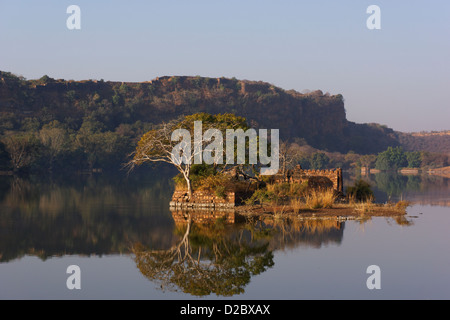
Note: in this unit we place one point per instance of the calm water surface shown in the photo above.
(122, 235)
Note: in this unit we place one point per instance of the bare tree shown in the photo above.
(163, 143)
(290, 153)
(157, 146)
(22, 150)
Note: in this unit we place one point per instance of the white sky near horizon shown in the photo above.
(398, 76)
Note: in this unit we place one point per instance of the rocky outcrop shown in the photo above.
(318, 118)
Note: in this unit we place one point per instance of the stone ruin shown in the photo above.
(316, 179)
(205, 199)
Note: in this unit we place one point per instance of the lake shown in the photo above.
(121, 234)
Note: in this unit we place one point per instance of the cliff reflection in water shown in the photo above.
(94, 215)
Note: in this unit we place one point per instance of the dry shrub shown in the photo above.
(296, 204)
(320, 199)
(360, 191)
(282, 190)
(364, 206)
(402, 205)
(213, 181)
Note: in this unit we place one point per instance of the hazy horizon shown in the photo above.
(397, 76)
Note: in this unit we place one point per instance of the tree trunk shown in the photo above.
(189, 188)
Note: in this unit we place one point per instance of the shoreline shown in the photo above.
(338, 211)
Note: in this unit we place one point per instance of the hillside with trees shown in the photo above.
(438, 142)
(54, 124)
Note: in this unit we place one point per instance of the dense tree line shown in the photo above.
(64, 125)
(397, 158)
(95, 119)
(55, 147)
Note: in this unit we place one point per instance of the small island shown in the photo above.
(215, 180)
(298, 194)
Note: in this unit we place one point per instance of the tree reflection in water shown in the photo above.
(221, 257)
(209, 259)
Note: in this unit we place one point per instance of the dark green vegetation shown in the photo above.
(360, 191)
(49, 125)
(396, 158)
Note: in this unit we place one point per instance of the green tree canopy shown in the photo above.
(391, 159)
(319, 160)
(414, 159)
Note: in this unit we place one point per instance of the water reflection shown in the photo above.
(292, 233)
(200, 253)
(98, 216)
(84, 216)
(421, 189)
(204, 216)
(210, 258)
(215, 255)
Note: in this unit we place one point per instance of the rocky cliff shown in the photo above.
(318, 118)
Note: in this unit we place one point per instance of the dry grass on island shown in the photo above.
(307, 199)
(297, 200)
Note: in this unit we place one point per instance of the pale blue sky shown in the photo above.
(398, 76)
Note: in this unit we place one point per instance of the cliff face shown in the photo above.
(318, 118)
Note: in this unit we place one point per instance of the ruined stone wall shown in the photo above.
(205, 199)
(298, 175)
(209, 199)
